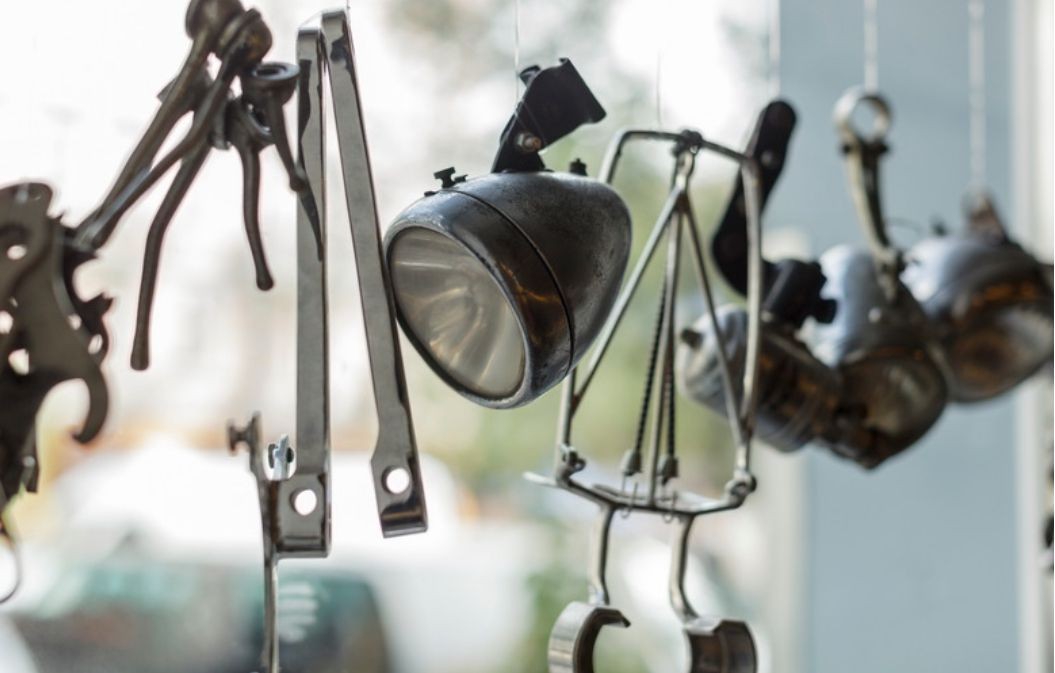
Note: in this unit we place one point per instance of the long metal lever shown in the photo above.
(397, 476)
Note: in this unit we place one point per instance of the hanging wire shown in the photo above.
(773, 48)
(659, 82)
(871, 45)
(516, 52)
(976, 90)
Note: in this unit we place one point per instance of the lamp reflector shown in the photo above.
(457, 312)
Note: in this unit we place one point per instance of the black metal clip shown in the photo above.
(556, 101)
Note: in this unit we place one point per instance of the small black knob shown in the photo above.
(445, 177)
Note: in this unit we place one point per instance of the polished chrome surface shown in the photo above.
(403, 511)
(554, 246)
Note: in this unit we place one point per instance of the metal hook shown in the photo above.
(575, 632)
(715, 645)
(863, 151)
(11, 543)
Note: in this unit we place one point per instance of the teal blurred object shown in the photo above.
(131, 613)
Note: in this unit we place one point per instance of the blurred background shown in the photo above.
(142, 551)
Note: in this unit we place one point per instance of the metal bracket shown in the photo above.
(714, 644)
(556, 102)
(395, 458)
(271, 469)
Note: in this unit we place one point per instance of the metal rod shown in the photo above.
(724, 367)
(401, 512)
(598, 581)
(627, 293)
(669, 288)
(269, 651)
(752, 200)
(679, 557)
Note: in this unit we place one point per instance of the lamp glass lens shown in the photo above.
(457, 313)
(999, 351)
(900, 396)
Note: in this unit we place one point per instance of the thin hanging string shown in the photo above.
(976, 90)
(871, 45)
(659, 87)
(516, 52)
(773, 48)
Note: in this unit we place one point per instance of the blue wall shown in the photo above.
(911, 567)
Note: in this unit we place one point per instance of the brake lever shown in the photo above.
(239, 38)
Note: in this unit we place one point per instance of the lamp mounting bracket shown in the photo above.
(792, 287)
(556, 101)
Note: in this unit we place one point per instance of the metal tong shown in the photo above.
(325, 51)
(712, 642)
(249, 122)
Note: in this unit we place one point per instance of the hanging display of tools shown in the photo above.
(711, 641)
(989, 300)
(54, 335)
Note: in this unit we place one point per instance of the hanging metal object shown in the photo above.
(880, 340)
(48, 335)
(989, 300)
(574, 634)
(798, 396)
(503, 281)
(271, 467)
(295, 505)
(712, 642)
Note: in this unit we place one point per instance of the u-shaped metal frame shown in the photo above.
(714, 644)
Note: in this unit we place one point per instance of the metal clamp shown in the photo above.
(711, 642)
(572, 640)
(271, 468)
(675, 216)
(715, 645)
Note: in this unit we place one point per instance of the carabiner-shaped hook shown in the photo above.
(715, 645)
(575, 632)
